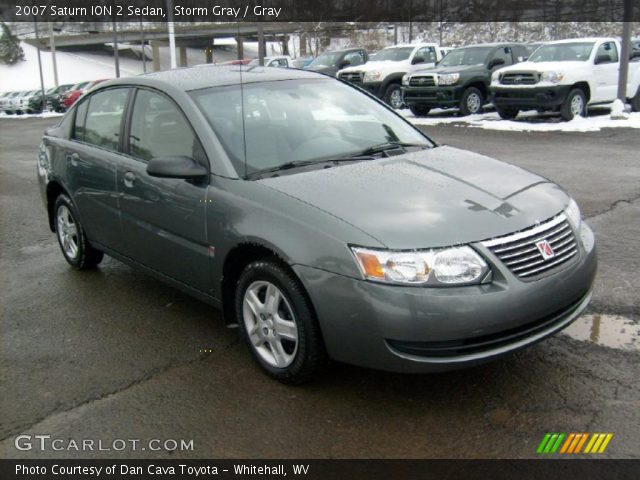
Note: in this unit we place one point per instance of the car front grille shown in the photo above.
(422, 81)
(536, 251)
(352, 77)
(522, 78)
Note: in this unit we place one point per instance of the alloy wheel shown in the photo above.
(474, 103)
(577, 105)
(395, 99)
(67, 231)
(270, 323)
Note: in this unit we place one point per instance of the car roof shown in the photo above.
(492, 44)
(205, 76)
(580, 40)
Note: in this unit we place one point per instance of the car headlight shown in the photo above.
(438, 267)
(372, 76)
(573, 214)
(448, 79)
(551, 77)
(405, 80)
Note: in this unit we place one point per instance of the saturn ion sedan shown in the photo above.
(322, 223)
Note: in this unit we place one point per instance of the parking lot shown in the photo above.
(115, 354)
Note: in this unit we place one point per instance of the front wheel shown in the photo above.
(393, 96)
(575, 105)
(507, 113)
(471, 101)
(278, 323)
(73, 242)
(419, 110)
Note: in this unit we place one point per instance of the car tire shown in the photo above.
(278, 323)
(393, 96)
(471, 102)
(71, 237)
(419, 110)
(635, 102)
(574, 105)
(507, 113)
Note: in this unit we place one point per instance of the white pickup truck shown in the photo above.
(565, 76)
(382, 74)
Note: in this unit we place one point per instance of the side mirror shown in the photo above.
(175, 167)
(495, 62)
(344, 64)
(604, 58)
(417, 60)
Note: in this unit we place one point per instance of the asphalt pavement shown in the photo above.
(114, 354)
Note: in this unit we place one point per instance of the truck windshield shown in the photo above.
(266, 125)
(394, 54)
(465, 56)
(563, 52)
(326, 60)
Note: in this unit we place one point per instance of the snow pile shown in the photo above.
(526, 122)
(617, 110)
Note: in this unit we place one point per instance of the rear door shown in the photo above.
(91, 159)
(163, 219)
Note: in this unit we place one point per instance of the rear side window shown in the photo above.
(159, 129)
(104, 118)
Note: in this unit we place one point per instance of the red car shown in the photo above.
(76, 92)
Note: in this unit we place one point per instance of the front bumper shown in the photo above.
(549, 97)
(433, 97)
(418, 329)
(374, 88)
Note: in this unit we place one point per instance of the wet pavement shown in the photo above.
(115, 354)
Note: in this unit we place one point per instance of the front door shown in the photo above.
(606, 73)
(163, 219)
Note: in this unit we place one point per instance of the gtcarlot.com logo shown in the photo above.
(574, 443)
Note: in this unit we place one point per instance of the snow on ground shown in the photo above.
(526, 121)
(32, 115)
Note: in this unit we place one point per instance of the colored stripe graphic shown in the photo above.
(573, 443)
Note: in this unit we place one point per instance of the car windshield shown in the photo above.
(308, 121)
(394, 54)
(326, 59)
(465, 56)
(256, 62)
(563, 52)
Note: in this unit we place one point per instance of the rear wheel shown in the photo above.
(278, 323)
(471, 101)
(507, 113)
(419, 110)
(575, 105)
(73, 242)
(393, 96)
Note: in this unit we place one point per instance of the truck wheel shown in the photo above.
(574, 105)
(635, 102)
(278, 323)
(471, 102)
(393, 96)
(507, 113)
(419, 110)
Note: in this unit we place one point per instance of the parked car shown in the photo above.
(77, 91)
(565, 76)
(282, 61)
(460, 80)
(4, 100)
(302, 62)
(321, 222)
(330, 62)
(8, 102)
(18, 104)
(54, 99)
(383, 76)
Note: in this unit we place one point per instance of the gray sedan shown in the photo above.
(321, 222)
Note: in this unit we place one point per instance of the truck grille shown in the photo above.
(536, 251)
(515, 78)
(352, 77)
(422, 81)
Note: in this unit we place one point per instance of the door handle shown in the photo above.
(129, 179)
(73, 159)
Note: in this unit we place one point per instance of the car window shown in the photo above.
(610, 49)
(428, 54)
(159, 129)
(505, 54)
(80, 117)
(104, 117)
(355, 58)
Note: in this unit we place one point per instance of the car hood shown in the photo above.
(444, 70)
(381, 65)
(545, 66)
(430, 198)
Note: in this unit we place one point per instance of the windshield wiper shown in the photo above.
(306, 163)
(383, 147)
